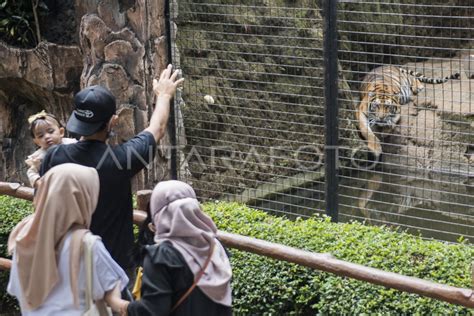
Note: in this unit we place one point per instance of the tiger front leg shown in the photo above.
(373, 143)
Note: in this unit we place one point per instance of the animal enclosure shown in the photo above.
(261, 120)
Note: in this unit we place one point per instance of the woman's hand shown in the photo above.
(114, 300)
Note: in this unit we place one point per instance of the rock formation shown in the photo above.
(31, 80)
(122, 46)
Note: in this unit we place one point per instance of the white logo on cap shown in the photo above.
(85, 113)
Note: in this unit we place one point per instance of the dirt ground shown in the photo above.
(435, 131)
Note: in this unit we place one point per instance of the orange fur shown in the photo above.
(383, 91)
(380, 102)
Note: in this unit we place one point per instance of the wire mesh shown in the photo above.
(423, 180)
(251, 124)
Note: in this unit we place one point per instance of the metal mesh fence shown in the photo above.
(422, 130)
(251, 117)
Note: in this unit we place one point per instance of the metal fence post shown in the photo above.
(330, 94)
(171, 121)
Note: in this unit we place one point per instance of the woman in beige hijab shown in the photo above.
(48, 274)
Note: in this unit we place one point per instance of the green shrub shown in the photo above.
(11, 212)
(263, 286)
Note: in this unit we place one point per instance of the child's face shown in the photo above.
(48, 134)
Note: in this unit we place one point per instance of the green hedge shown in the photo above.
(11, 212)
(263, 286)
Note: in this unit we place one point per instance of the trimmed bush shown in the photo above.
(11, 212)
(263, 286)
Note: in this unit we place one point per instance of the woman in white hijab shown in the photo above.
(48, 274)
(186, 271)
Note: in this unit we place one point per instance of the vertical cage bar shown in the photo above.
(330, 94)
(172, 117)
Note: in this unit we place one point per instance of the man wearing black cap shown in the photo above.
(94, 107)
(93, 119)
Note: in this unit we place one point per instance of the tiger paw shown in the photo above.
(365, 158)
(425, 105)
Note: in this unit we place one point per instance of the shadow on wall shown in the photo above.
(31, 80)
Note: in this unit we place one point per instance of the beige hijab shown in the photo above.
(65, 201)
(178, 218)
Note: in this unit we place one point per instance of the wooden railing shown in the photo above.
(320, 261)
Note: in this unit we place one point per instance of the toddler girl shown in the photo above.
(46, 132)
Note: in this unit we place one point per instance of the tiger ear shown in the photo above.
(371, 94)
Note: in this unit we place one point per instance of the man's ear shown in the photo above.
(61, 131)
(112, 122)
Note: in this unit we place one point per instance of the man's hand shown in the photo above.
(167, 85)
(164, 89)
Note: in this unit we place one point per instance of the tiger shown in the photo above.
(382, 92)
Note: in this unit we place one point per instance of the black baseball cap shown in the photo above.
(93, 106)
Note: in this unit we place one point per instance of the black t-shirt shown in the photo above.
(116, 165)
(166, 277)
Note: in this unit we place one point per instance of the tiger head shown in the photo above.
(383, 110)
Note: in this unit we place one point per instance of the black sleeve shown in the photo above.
(157, 289)
(46, 164)
(139, 151)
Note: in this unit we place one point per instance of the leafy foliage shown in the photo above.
(263, 286)
(11, 212)
(17, 22)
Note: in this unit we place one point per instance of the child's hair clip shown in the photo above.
(40, 115)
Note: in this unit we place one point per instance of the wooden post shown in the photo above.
(5, 264)
(326, 262)
(26, 193)
(16, 190)
(143, 197)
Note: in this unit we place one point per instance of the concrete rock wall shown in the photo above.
(122, 46)
(32, 80)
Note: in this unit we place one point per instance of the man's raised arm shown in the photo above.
(164, 90)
